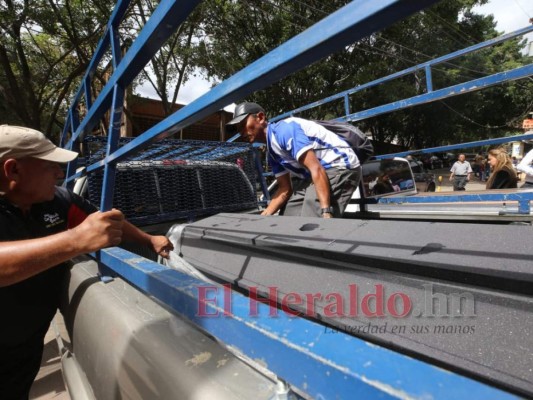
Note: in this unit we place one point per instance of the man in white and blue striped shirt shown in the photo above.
(326, 167)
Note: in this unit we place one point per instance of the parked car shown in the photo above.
(389, 177)
(424, 180)
(432, 161)
(447, 159)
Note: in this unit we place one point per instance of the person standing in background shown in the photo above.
(503, 174)
(460, 173)
(479, 166)
(526, 167)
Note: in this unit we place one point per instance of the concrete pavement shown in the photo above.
(473, 185)
(446, 186)
(49, 382)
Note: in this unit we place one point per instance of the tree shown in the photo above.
(45, 47)
(172, 66)
(238, 33)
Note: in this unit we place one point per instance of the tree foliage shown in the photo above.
(173, 63)
(45, 47)
(236, 33)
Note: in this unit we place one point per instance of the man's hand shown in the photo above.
(451, 178)
(161, 245)
(281, 196)
(99, 230)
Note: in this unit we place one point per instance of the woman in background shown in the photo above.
(503, 175)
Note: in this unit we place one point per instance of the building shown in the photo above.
(143, 113)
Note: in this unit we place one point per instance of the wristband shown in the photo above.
(327, 210)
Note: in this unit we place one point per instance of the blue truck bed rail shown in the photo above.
(297, 350)
(431, 94)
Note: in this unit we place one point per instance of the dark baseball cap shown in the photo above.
(243, 110)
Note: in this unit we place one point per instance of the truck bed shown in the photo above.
(487, 335)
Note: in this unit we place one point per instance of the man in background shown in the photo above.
(460, 173)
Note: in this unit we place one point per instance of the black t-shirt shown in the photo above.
(28, 306)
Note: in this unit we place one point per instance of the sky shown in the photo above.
(510, 15)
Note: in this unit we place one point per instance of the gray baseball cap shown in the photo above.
(243, 110)
(19, 142)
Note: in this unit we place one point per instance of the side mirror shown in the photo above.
(388, 177)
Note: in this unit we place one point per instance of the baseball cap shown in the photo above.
(243, 110)
(19, 142)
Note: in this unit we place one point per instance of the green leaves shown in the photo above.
(239, 32)
(45, 47)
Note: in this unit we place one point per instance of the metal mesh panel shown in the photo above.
(175, 179)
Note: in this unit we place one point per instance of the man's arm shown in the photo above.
(22, 259)
(525, 164)
(452, 172)
(319, 177)
(281, 196)
(159, 244)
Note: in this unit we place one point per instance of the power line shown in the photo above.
(522, 8)
(311, 7)
(469, 39)
(449, 63)
(380, 37)
(378, 50)
(374, 49)
(507, 125)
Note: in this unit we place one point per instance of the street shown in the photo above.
(49, 381)
(446, 186)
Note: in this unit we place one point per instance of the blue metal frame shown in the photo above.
(426, 66)
(330, 364)
(432, 95)
(524, 198)
(352, 22)
(164, 21)
(336, 365)
(459, 146)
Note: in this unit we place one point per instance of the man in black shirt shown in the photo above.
(41, 227)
